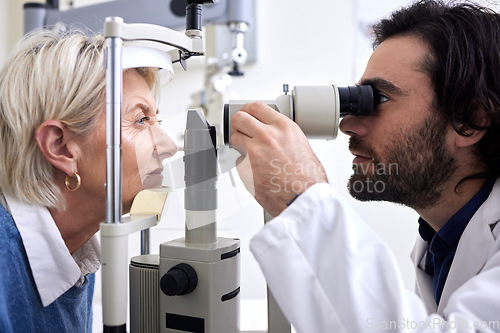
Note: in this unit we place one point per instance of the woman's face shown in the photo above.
(144, 145)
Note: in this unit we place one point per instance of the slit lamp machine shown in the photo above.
(193, 284)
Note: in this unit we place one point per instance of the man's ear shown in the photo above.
(56, 142)
(473, 136)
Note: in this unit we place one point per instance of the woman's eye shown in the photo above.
(142, 120)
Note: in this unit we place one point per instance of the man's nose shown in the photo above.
(353, 126)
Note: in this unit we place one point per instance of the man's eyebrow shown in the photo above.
(379, 84)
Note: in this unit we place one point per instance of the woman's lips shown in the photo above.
(153, 179)
(157, 171)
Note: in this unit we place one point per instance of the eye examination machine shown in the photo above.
(316, 109)
(193, 283)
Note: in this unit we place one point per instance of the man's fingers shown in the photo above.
(244, 168)
(241, 141)
(240, 149)
(247, 125)
(262, 112)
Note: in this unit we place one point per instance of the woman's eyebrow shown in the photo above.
(145, 108)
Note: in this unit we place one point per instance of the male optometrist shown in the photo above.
(435, 70)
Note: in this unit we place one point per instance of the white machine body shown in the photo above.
(316, 109)
(214, 304)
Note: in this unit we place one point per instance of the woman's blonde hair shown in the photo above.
(52, 75)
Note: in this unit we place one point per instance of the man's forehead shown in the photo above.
(398, 60)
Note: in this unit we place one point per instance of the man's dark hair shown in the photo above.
(464, 65)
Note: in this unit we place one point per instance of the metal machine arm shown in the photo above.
(171, 14)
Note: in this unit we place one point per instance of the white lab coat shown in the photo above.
(330, 272)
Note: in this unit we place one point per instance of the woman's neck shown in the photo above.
(77, 223)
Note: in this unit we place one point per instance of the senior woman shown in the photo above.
(52, 175)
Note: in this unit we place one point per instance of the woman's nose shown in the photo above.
(165, 146)
(353, 126)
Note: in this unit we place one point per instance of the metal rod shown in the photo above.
(145, 247)
(113, 248)
(114, 82)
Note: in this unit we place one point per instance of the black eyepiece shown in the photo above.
(356, 100)
(193, 13)
(193, 16)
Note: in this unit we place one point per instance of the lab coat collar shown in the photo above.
(423, 280)
(475, 246)
(54, 269)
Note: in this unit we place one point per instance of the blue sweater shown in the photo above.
(21, 308)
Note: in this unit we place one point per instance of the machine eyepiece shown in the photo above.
(193, 16)
(356, 100)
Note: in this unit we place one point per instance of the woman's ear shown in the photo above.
(56, 142)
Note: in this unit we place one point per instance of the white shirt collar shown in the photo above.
(53, 267)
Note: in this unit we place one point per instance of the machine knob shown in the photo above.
(179, 280)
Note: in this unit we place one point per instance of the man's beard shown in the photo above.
(413, 169)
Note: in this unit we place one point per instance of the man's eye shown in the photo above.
(381, 98)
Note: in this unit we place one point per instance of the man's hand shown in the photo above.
(279, 162)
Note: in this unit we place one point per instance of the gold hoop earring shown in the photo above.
(78, 182)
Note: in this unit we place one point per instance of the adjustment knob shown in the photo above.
(179, 280)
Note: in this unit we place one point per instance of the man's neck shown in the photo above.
(453, 198)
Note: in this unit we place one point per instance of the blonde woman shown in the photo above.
(52, 175)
